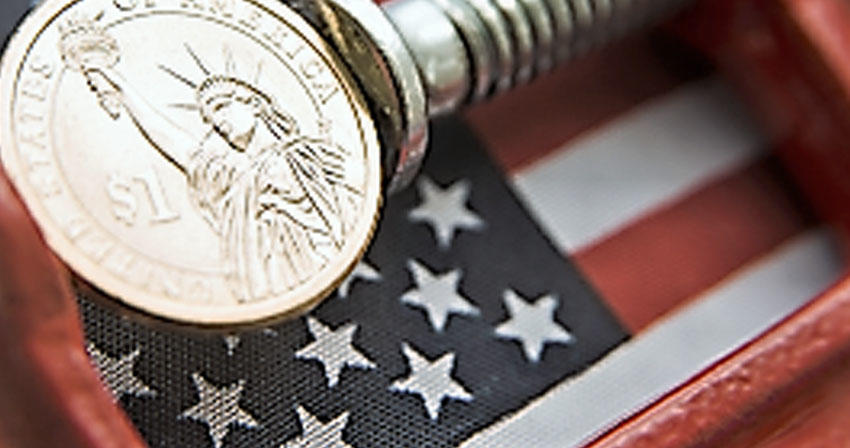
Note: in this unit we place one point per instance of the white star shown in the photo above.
(363, 271)
(431, 380)
(445, 210)
(533, 325)
(232, 342)
(118, 373)
(438, 294)
(219, 408)
(334, 349)
(314, 434)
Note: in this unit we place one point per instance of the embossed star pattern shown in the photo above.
(334, 349)
(437, 294)
(445, 210)
(532, 324)
(363, 271)
(232, 341)
(219, 409)
(315, 434)
(431, 380)
(118, 375)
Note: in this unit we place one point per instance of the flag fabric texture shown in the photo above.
(569, 254)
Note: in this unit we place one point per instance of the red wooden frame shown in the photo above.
(50, 395)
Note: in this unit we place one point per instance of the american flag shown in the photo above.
(571, 253)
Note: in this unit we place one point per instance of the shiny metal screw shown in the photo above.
(418, 59)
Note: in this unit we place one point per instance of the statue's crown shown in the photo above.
(224, 86)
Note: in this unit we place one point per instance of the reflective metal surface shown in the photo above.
(508, 42)
(382, 64)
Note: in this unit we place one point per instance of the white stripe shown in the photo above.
(594, 186)
(673, 351)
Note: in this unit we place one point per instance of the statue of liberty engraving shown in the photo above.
(279, 200)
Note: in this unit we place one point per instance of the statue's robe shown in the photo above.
(281, 211)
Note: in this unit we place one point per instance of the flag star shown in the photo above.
(363, 271)
(437, 294)
(219, 408)
(314, 434)
(232, 342)
(118, 373)
(533, 325)
(431, 380)
(334, 349)
(445, 210)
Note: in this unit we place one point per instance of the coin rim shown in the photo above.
(160, 306)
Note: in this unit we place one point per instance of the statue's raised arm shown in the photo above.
(93, 52)
(116, 93)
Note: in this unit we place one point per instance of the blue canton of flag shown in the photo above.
(461, 313)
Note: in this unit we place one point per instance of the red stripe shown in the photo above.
(786, 389)
(662, 260)
(528, 123)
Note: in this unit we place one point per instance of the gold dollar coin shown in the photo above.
(204, 161)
